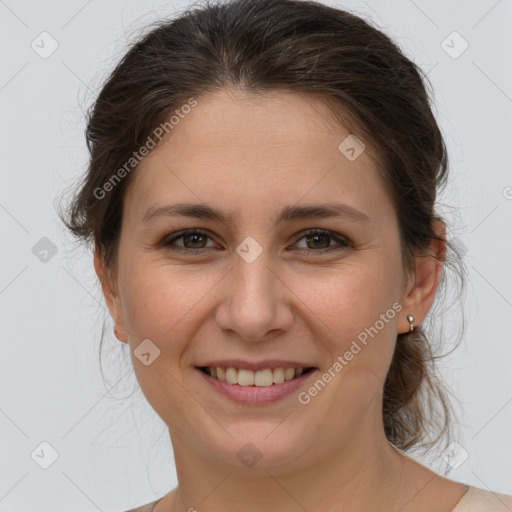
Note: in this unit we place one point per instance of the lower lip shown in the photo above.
(256, 394)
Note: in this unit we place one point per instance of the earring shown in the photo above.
(411, 319)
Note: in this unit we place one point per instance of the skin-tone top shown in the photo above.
(481, 500)
(146, 508)
(474, 500)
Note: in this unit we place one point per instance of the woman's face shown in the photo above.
(258, 287)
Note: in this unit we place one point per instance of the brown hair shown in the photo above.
(307, 47)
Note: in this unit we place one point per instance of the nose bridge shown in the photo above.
(252, 276)
(253, 303)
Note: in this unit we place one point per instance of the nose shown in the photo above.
(255, 301)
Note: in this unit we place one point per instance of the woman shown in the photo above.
(261, 197)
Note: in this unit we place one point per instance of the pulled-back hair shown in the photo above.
(299, 46)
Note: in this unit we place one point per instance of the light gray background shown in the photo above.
(115, 454)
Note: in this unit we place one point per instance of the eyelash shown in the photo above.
(343, 241)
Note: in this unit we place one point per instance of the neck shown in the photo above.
(363, 472)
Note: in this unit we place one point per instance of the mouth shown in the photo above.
(258, 387)
(267, 377)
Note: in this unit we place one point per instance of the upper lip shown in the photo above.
(255, 366)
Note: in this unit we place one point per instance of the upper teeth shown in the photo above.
(262, 378)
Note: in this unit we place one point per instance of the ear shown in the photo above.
(111, 296)
(423, 284)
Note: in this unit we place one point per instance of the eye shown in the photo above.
(195, 240)
(320, 239)
(192, 237)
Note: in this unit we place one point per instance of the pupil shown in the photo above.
(194, 236)
(316, 236)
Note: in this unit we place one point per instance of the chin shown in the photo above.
(264, 446)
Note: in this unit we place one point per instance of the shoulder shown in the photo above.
(144, 508)
(482, 500)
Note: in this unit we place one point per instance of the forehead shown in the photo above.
(270, 148)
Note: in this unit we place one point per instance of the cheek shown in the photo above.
(160, 305)
(355, 308)
(158, 301)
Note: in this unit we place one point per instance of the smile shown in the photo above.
(261, 378)
(258, 387)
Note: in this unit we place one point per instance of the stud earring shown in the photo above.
(411, 319)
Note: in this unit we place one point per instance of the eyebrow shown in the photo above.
(287, 214)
